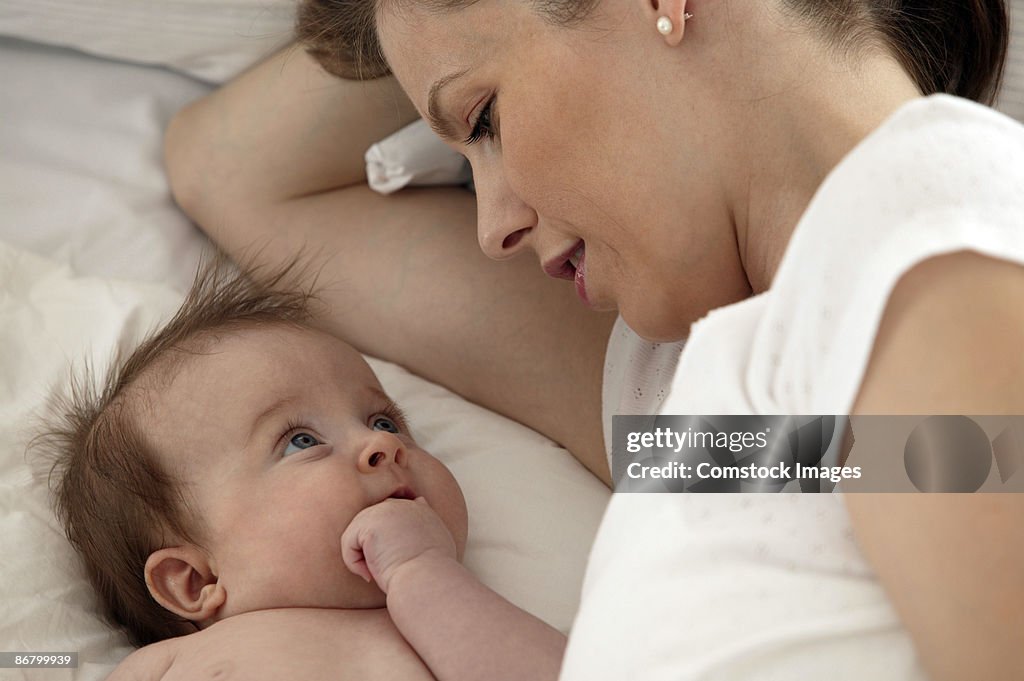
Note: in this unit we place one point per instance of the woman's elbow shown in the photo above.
(182, 162)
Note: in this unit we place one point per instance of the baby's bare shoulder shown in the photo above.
(147, 664)
(311, 644)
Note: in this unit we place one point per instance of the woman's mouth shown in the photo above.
(571, 266)
(581, 277)
(576, 256)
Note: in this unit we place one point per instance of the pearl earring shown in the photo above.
(665, 24)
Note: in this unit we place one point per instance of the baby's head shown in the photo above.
(216, 470)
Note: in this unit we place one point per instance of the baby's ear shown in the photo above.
(181, 579)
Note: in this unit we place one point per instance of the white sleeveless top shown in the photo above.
(773, 586)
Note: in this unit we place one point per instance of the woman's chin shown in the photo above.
(657, 328)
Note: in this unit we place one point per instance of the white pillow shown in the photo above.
(81, 185)
(209, 39)
(533, 509)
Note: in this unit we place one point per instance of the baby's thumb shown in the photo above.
(352, 555)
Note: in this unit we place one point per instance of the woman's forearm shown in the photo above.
(284, 129)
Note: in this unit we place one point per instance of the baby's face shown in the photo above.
(282, 436)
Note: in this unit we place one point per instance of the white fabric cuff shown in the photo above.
(414, 156)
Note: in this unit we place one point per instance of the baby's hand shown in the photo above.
(394, 533)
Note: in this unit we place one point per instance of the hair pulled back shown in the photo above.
(956, 47)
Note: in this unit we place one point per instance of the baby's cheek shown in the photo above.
(456, 517)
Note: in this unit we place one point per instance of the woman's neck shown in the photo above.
(804, 108)
(817, 131)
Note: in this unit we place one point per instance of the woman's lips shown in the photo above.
(562, 267)
(581, 279)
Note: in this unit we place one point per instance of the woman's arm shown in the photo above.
(271, 166)
(283, 130)
(950, 343)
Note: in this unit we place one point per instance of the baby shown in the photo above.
(248, 500)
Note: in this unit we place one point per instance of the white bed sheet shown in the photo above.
(92, 252)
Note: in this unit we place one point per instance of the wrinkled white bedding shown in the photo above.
(93, 252)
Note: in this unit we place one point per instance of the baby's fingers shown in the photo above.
(352, 552)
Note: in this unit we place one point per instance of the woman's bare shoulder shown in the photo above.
(949, 341)
(307, 643)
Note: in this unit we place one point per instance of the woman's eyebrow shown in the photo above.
(439, 121)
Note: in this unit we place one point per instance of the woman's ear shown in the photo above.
(182, 580)
(667, 17)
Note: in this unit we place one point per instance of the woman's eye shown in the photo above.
(386, 424)
(299, 442)
(484, 127)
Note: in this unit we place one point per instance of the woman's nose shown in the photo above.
(504, 221)
(382, 450)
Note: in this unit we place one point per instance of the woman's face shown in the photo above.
(584, 148)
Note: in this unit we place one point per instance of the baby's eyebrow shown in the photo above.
(377, 392)
(263, 416)
(384, 397)
(391, 404)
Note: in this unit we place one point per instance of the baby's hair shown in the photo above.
(116, 501)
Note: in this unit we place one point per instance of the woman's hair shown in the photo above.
(953, 46)
(957, 47)
(342, 34)
(116, 501)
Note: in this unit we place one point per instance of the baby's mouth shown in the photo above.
(403, 493)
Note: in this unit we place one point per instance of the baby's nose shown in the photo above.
(381, 452)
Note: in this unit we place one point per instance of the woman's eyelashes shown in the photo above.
(486, 126)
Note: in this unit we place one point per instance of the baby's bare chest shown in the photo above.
(297, 643)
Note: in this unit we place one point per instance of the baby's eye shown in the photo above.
(301, 441)
(384, 423)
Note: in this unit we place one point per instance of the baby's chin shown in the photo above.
(356, 594)
(365, 596)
